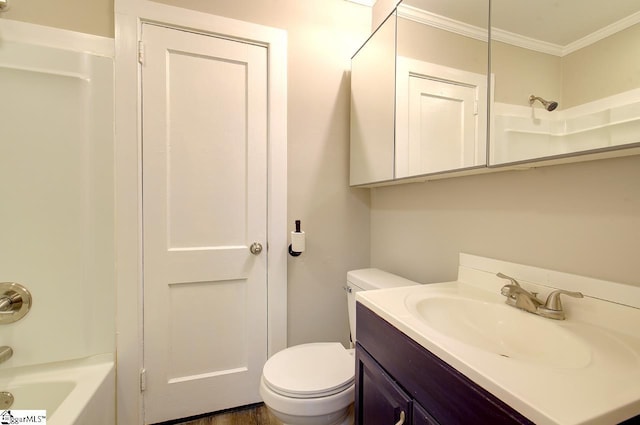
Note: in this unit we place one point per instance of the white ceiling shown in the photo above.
(559, 22)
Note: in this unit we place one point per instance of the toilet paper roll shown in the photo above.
(297, 241)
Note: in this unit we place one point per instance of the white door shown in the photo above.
(204, 204)
(441, 118)
(442, 125)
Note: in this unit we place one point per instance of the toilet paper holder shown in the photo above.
(297, 245)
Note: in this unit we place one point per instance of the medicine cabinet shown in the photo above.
(564, 86)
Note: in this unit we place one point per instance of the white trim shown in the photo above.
(526, 42)
(442, 22)
(128, 225)
(57, 38)
(128, 18)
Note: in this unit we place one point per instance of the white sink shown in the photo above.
(501, 329)
(585, 369)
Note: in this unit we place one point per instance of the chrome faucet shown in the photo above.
(520, 298)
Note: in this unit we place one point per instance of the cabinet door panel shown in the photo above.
(379, 400)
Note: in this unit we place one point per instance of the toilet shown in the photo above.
(313, 384)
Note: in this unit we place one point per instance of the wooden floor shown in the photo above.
(256, 414)
(253, 415)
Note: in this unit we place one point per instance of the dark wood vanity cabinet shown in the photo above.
(380, 400)
(395, 374)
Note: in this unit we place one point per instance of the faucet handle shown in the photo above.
(512, 280)
(553, 300)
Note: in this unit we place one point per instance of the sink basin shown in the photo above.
(502, 330)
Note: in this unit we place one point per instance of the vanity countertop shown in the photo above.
(583, 370)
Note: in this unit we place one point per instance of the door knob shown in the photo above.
(256, 248)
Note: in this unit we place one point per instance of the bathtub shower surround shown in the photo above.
(57, 219)
(523, 132)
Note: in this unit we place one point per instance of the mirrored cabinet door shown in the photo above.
(441, 86)
(567, 78)
(372, 107)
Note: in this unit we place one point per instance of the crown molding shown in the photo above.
(442, 22)
(526, 42)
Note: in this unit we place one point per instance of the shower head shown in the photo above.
(548, 105)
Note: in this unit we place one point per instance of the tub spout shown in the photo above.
(5, 354)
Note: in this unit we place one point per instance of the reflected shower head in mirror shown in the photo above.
(548, 105)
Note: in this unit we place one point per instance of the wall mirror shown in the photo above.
(567, 78)
(419, 92)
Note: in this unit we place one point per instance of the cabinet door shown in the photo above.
(379, 400)
(372, 107)
(421, 417)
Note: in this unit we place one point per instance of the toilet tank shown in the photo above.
(365, 280)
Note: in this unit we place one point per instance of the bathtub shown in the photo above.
(74, 392)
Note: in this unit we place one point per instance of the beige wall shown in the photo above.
(602, 69)
(430, 44)
(88, 16)
(521, 72)
(579, 218)
(323, 35)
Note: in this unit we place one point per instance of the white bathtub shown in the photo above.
(75, 392)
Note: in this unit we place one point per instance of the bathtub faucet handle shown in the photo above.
(15, 302)
(8, 303)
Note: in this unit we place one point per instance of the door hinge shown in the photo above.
(475, 107)
(141, 52)
(143, 380)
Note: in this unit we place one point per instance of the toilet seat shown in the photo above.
(310, 370)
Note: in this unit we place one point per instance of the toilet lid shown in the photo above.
(310, 370)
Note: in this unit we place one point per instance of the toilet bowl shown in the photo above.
(310, 384)
(313, 384)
